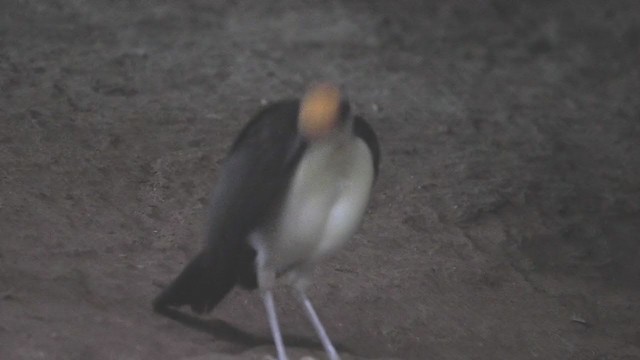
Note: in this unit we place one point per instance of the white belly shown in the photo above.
(327, 199)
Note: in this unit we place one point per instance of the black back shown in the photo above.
(255, 174)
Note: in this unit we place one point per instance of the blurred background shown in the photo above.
(505, 222)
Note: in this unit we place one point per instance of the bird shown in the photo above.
(293, 188)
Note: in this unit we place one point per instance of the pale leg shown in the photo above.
(317, 325)
(267, 297)
(266, 282)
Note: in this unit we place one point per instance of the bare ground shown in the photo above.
(506, 219)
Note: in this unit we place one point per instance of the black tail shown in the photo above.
(203, 283)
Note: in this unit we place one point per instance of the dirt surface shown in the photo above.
(505, 223)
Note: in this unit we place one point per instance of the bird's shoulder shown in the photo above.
(364, 131)
(275, 121)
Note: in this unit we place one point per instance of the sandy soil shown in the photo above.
(505, 222)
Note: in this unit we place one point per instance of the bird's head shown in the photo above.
(322, 110)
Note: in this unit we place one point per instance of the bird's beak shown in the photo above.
(319, 111)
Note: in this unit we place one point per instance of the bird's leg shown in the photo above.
(301, 285)
(266, 281)
(267, 297)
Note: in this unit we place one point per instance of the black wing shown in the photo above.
(254, 176)
(257, 170)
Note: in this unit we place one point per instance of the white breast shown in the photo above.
(327, 199)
